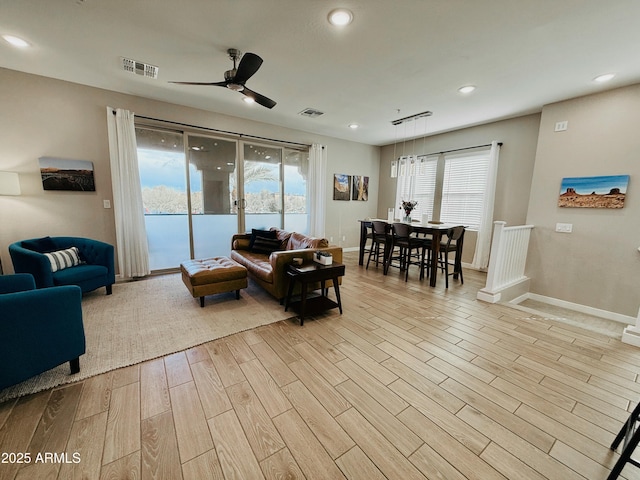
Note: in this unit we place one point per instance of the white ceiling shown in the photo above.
(397, 58)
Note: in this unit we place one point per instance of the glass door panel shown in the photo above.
(164, 195)
(262, 186)
(212, 183)
(296, 207)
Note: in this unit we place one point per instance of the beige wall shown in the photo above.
(519, 137)
(47, 117)
(598, 265)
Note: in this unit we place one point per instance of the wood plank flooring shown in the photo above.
(411, 382)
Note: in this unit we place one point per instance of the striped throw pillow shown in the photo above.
(266, 245)
(64, 258)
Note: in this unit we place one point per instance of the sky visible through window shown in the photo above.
(167, 168)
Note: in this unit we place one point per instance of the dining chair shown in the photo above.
(368, 236)
(379, 239)
(401, 237)
(454, 242)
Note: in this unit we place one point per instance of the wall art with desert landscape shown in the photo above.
(606, 191)
(341, 186)
(63, 174)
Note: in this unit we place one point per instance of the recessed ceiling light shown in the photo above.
(353, 126)
(16, 41)
(604, 78)
(248, 99)
(340, 17)
(467, 89)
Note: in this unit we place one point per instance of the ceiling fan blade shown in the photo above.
(215, 84)
(249, 64)
(261, 99)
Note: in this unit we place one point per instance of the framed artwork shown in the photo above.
(62, 174)
(341, 186)
(360, 190)
(593, 192)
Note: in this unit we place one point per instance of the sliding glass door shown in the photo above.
(296, 200)
(161, 161)
(262, 186)
(213, 194)
(198, 190)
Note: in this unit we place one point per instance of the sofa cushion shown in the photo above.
(283, 236)
(260, 233)
(257, 264)
(40, 245)
(62, 259)
(79, 274)
(298, 241)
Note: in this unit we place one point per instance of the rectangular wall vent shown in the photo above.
(311, 113)
(139, 68)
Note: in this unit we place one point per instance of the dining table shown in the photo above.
(436, 230)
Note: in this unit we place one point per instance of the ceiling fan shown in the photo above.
(236, 78)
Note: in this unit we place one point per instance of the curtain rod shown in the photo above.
(459, 149)
(241, 135)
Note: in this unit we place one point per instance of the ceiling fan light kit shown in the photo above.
(236, 78)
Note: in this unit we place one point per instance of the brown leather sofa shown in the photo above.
(269, 270)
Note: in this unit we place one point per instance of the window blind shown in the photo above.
(463, 188)
(417, 182)
(460, 188)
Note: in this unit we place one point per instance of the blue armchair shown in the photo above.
(96, 270)
(39, 329)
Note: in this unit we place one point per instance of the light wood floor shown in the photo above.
(410, 382)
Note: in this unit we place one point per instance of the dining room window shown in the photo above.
(417, 182)
(463, 185)
(448, 187)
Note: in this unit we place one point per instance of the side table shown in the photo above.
(314, 273)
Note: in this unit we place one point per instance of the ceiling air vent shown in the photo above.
(139, 68)
(311, 113)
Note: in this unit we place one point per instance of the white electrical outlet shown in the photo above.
(561, 126)
(564, 227)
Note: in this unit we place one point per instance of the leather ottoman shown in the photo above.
(209, 276)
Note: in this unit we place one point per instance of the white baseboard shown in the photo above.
(596, 312)
(506, 293)
(631, 335)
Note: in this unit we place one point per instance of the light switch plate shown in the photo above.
(106, 203)
(564, 227)
(561, 126)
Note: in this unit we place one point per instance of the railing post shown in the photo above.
(496, 257)
(506, 263)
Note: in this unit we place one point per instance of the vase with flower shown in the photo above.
(408, 206)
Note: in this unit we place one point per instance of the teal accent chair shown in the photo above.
(97, 269)
(39, 328)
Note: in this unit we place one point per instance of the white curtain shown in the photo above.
(131, 235)
(483, 243)
(317, 182)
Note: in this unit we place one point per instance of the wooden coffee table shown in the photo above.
(313, 272)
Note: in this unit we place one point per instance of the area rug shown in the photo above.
(151, 318)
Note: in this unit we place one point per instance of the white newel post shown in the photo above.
(488, 293)
(497, 256)
(505, 276)
(631, 334)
